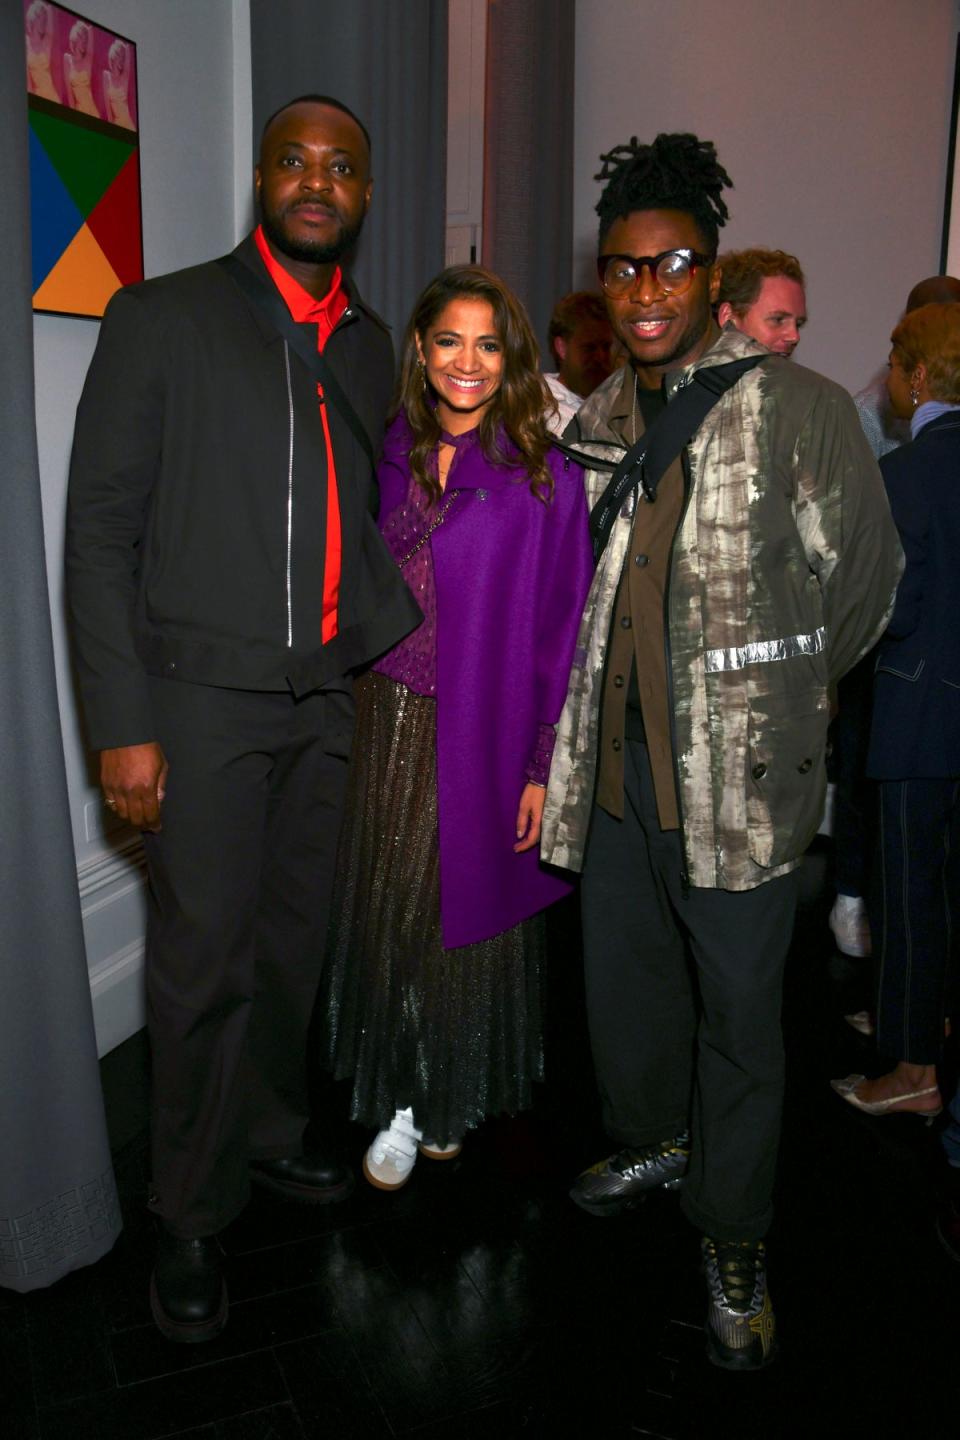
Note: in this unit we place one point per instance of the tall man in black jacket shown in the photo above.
(225, 576)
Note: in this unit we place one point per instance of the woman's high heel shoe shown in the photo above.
(895, 1105)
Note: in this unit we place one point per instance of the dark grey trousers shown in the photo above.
(911, 919)
(240, 879)
(684, 991)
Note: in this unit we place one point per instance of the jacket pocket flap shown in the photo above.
(885, 668)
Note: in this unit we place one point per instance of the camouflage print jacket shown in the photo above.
(782, 574)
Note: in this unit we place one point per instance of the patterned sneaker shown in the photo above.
(741, 1330)
(390, 1159)
(622, 1181)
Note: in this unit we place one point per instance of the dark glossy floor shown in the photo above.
(479, 1302)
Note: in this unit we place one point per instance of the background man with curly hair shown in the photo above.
(580, 341)
(762, 292)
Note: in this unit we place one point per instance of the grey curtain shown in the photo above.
(387, 61)
(528, 151)
(58, 1201)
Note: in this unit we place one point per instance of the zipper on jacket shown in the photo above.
(348, 315)
(671, 713)
(286, 361)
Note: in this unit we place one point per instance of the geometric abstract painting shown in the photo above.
(84, 160)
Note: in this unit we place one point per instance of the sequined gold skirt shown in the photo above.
(456, 1034)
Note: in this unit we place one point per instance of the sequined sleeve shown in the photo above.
(538, 766)
(406, 530)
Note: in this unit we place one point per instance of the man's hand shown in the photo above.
(529, 816)
(134, 780)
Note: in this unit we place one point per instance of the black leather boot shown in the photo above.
(188, 1296)
(313, 1179)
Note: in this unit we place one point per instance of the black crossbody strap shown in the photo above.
(646, 462)
(268, 299)
(585, 460)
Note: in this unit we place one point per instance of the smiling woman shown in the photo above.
(436, 946)
(463, 360)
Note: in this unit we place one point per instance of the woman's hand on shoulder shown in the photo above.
(529, 816)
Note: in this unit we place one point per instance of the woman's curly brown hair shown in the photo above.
(513, 429)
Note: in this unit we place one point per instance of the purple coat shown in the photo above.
(511, 576)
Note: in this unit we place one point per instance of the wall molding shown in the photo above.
(243, 152)
(116, 989)
(124, 864)
(111, 886)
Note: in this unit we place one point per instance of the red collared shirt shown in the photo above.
(324, 314)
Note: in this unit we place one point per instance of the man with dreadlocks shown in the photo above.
(743, 572)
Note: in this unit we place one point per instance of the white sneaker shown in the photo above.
(850, 926)
(390, 1159)
(433, 1151)
(862, 1022)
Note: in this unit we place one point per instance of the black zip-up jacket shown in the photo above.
(197, 503)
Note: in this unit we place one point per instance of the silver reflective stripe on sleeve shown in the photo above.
(763, 651)
(286, 360)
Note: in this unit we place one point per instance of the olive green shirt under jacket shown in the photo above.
(637, 633)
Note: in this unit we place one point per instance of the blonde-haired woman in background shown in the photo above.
(914, 750)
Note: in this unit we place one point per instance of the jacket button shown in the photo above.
(625, 621)
(804, 766)
(759, 771)
(641, 560)
(616, 743)
(170, 666)
(618, 681)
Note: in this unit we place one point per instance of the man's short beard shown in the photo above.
(312, 253)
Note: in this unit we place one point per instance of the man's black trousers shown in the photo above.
(240, 879)
(684, 990)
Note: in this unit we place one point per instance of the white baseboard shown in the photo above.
(112, 902)
(103, 875)
(116, 987)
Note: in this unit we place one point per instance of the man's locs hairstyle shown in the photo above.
(676, 172)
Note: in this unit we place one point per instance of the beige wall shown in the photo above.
(194, 103)
(832, 117)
